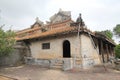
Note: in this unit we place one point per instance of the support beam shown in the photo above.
(107, 52)
(110, 50)
(113, 53)
(102, 51)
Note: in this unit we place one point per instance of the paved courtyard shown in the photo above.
(27, 72)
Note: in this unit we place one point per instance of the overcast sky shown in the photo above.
(97, 14)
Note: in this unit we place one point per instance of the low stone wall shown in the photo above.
(13, 59)
(117, 65)
(41, 62)
(64, 63)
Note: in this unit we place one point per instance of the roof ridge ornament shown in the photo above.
(38, 21)
(80, 20)
(60, 10)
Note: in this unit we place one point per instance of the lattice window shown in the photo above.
(45, 45)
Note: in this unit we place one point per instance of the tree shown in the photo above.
(107, 33)
(117, 51)
(116, 30)
(7, 41)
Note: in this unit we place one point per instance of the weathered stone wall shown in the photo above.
(81, 48)
(89, 53)
(16, 57)
(56, 47)
(12, 60)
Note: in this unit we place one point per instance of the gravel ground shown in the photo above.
(32, 72)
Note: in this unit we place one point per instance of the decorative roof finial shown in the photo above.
(80, 20)
(60, 10)
(37, 19)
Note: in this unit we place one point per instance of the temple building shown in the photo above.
(64, 41)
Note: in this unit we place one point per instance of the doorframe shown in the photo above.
(66, 45)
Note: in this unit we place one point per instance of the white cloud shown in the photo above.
(97, 14)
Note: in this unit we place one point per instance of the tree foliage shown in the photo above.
(7, 41)
(107, 33)
(117, 30)
(117, 51)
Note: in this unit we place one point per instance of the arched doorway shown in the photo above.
(66, 49)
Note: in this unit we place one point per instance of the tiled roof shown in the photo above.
(48, 33)
(27, 30)
(58, 28)
(37, 31)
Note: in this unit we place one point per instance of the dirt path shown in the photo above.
(37, 73)
(6, 78)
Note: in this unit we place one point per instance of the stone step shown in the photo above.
(57, 64)
(57, 67)
(78, 61)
